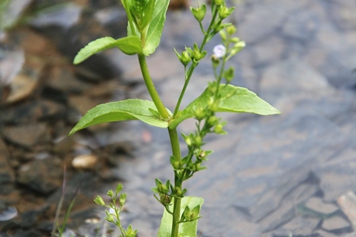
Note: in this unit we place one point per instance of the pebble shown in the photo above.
(27, 135)
(347, 203)
(85, 162)
(336, 224)
(317, 205)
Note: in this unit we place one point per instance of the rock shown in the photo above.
(347, 203)
(27, 135)
(336, 224)
(295, 77)
(7, 175)
(62, 78)
(299, 226)
(43, 176)
(250, 29)
(64, 15)
(32, 111)
(301, 25)
(10, 64)
(317, 205)
(22, 86)
(85, 162)
(336, 176)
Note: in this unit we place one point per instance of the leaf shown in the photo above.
(188, 229)
(233, 99)
(128, 45)
(132, 109)
(155, 28)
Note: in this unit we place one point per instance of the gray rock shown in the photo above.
(336, 224)
(317, 205)
(31, 111)
(301, 25)
(7, 175)
(336, 176)
(43, 176)
(347, 203)
(299, 226)
(27, 135)
(259, 25)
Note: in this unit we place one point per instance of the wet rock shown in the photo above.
(299, 226)
(85, 162)
(63, 79)
(11, 61)
(22, 86)
(301, 25)
(294, 77)
(336, 176)
(31, 111)
(64, 15)
(7, 174)
(43, 176)
(27, 135)
(321, 208)
(336, 224)
(347, 203)
(249, 29)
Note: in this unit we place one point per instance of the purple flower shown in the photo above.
(219, 51)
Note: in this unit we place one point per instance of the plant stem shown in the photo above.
(193, 65)
(151, 88)
(173, 136)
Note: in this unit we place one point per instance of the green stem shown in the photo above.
(194, 65)
(173, 135)
(151, 88)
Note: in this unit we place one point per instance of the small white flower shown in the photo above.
(219, 51)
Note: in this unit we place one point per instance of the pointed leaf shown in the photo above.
(128, 45)
(234, 99)
(155, 28)
(132, 109)
(187, 229)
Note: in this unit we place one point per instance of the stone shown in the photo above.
(336, 224)
(22, 86)
(317, 205)
(85, 162)
(347, 203)
(7, 174)
(65, 16)
(337, 175)
(43, 176)
(27, 135)
(298, 226)
(10, 64)
(62, 78)
(259, 25)
(32, 111)
(301, 25)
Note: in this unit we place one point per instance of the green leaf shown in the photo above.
(132, 109)
(187, 229)
(128, 45)
(233, 99)
(155, 28)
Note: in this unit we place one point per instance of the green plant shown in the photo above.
(145, 24)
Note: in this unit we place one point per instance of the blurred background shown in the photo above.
(270, 176)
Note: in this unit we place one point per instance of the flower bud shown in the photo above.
(110, 193)
(199, 113)
(199, 12)
(109, 217)
(162, 188)
(219, 2)
(165, 199)
(99, 200)
(197, 140)
(229, 74)
(225, 12)
(215, 61)
(231, 29)
(212, 120)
